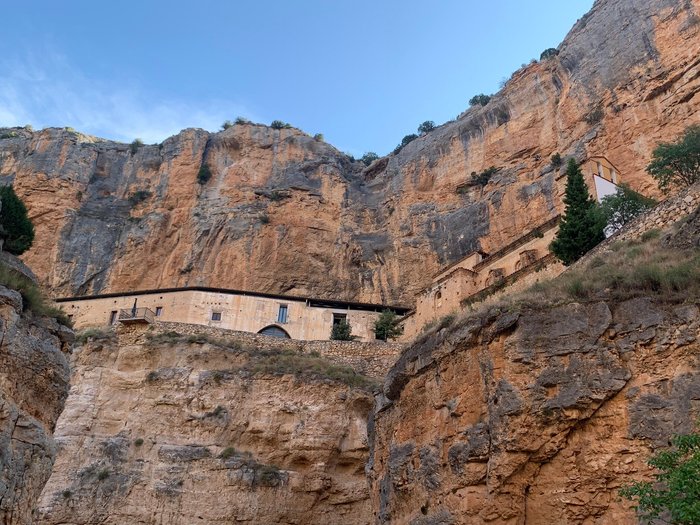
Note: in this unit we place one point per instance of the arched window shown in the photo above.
(274, 331)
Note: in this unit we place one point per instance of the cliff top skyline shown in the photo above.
(364, 75)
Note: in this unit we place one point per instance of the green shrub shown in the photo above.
(368, 158)
(16, 227)
(103, 474)
(138, 442)
(387, 326)
(318, 137)
(227, 453)
(139, 196)
(135, 145)
(278, 195)
(677, 164)
(264, 218)
(674, 494)
(483, 178)
(649, 235)
(9, 135)
(267, 475)
(549, 53)
(152, 376)
(479, 100)
(595, 115)
(556, 160)
(623, 206)
(227, 124)
(95, 334)
(242, 120)
(342, 331)
(66, 494)
(204, 174)
(278, 124)
(426, 127)
(406, 140)
(32, 297)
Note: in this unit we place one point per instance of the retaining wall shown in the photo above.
(372, 359)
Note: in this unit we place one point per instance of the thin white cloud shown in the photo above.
(48, 91)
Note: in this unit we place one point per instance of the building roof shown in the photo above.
(322, 303)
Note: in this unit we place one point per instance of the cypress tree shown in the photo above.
(18, 230)
(581, 227)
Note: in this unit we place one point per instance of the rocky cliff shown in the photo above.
(34, 379)
(167, 428)
(538, 411)
(285, 213)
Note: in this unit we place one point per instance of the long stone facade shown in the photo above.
(480, 275)
(281, 315)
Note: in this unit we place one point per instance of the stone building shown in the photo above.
(478, 275)
(270, 314)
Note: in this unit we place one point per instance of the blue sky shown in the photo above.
(364, 73)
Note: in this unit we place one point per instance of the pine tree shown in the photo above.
(18, 230)
(582, 226)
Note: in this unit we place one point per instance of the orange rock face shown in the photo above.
(285, 213)
(534, 418)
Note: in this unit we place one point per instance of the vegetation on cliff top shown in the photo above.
(307, 366)
(677, 164)
(32, 297)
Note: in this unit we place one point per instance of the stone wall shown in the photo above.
(665, 214)
(372, 359)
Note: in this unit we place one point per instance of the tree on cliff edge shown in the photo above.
(18, 231)
(582, 226)
(678, 163)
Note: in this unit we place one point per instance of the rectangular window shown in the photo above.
(282, 314)
(216, 316)
(159, 310)
(337, 318)
(112, 317)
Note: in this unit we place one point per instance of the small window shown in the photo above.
(338, 318)
(112, 317)
(216, 316)
(159, 310)
(282, 314)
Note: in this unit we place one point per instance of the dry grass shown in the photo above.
(32, 297)
(643, 267)
(305, 365)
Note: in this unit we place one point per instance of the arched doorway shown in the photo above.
(274, 331)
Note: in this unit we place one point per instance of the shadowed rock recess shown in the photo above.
(286, 213)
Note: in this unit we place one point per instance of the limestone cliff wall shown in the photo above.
(286, 213)
(174, 431)
(34, 378)
(535, 417)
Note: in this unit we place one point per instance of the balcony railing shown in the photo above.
(136, 315)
